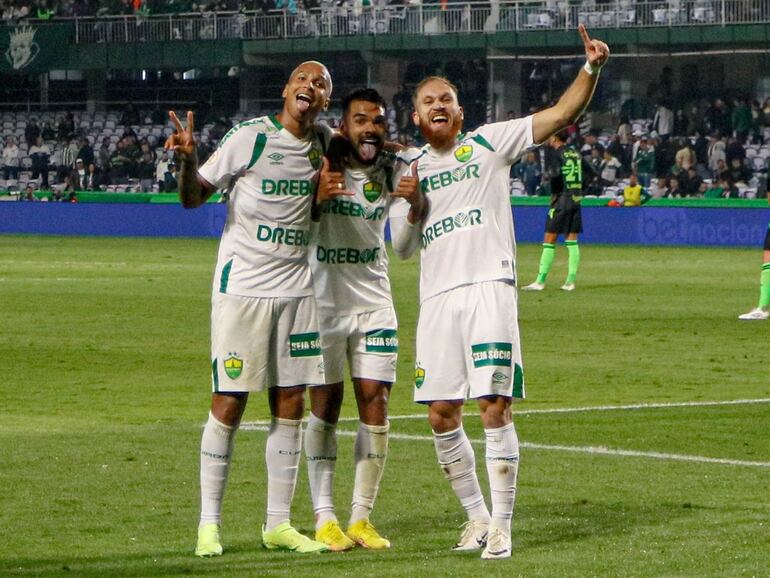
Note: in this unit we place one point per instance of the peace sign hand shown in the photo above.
(597, 52)
(182, 142)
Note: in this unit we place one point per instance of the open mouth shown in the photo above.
(303, 101)
(440, 119)
(368, 148)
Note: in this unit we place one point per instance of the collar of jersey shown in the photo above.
(275, 121)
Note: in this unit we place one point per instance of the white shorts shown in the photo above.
(369, 341)
(468, 344)
(260, 342)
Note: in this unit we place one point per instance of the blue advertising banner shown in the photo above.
(633, 226)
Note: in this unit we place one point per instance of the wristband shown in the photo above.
(591, 69)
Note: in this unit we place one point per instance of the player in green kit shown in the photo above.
(567, 171)
(762, 311)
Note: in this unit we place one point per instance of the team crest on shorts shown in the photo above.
(464, 153)
(372, 191)
(233, 365)
(419, 376)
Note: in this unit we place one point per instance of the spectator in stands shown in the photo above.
(663, 121)
(721, 171)
(729, 190)
(120, 163)
(40, 155)
(634, 194)
(738, 172)
(528, 170)
(170, 180)
(103, 155)
(86, 151)
(145, 171)
(716, 152)
(94, 178)
(402, 105)
(675, 190)
(130, 116)
(11, 155)
(734, 150)
(31, 132)
(681, 123)
(66, 127)
(69, 153)
(693, 185)
(47, 131)
(758, 120)
(658, 189)
(644, 162)
(701, 150)
(685, 156)
(78, 176)
(609, 169)
(741, 119)
(28, 194)
(717, 117)
(160, 171)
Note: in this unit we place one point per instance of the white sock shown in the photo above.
(456, 458)
(371, 451)
(216, 448)
(282, 453)
(502, 467)
(321, 455)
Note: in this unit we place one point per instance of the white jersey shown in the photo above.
(268, 173)
(467, 236)
(348, 258)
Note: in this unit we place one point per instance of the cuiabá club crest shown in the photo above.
(233, 366)
(372, 191)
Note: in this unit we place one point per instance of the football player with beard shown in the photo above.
(356, 315)
(467, 334)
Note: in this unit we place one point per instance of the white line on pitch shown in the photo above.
(574, 449)
(571, 409)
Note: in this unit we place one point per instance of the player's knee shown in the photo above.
(444, 417)
(229, 408)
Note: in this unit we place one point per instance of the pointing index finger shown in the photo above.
(584, 35)
(190, 121)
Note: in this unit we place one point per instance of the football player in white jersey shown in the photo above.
(467, 334)
(356, 315)
(264, 328)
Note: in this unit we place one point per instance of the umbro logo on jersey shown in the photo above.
(276, 158)
(372, 191)
(464, 153)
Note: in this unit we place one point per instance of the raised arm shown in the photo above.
(576, 98)
(193, 189)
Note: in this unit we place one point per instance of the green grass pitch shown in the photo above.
(105, 387)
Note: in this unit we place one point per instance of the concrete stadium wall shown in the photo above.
(638, 226)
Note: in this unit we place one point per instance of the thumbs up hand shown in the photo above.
(330, 183)
(410, 190)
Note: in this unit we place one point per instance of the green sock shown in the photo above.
(574, 260)
(546, 260)
(764, 287)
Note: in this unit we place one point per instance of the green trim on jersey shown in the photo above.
(225, 277)
(235, 129)
(274, 119)
(518, 381)
(215, 375)
(259, 146)
(483, 142)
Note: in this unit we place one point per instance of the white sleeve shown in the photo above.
(509, 139)
(404, 236)
(234, 155)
